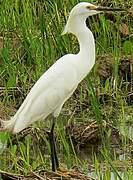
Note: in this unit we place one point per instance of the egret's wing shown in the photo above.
(49, 92)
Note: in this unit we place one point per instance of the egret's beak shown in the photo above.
(100, 8)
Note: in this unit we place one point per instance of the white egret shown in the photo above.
(59, 82)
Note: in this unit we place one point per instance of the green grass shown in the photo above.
(30, 42)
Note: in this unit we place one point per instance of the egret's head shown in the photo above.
(81, 11)
(84, 9)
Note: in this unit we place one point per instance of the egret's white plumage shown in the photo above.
(58, 83)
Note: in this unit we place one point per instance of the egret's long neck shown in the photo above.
(86, 55)
(77, 26)
(86, 41)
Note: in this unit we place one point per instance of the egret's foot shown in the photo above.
(71, 174)
(63, 172)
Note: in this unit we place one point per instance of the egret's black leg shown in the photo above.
(54, 158)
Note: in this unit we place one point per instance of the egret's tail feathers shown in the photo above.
(6, 125)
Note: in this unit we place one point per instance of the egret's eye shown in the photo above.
(91, 7)
(88, 7)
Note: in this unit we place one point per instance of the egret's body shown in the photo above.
(58, 83)
(50, 92)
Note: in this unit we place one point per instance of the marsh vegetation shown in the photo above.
(94, 132)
